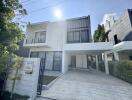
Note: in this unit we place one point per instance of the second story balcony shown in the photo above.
(37, 39)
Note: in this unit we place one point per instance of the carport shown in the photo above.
(82, 51)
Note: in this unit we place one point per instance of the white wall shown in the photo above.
(55, 37)
(28, 83)
(89, 46)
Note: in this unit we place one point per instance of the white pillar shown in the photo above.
(116, 56)
(63, 62)
(97, 63)
(106, 64)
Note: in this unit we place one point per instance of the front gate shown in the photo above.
(41, 75)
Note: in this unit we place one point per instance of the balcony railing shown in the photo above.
(33, 41)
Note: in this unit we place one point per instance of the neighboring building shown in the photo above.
(121, 35)
(64, 44)
(108, 21)
(121, 30)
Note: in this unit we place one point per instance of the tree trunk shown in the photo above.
(13, 84)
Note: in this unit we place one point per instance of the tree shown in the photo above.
(10, 27)
(99, 34)
(17, 63)
(11, 33)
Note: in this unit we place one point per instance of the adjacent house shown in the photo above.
(121, 34)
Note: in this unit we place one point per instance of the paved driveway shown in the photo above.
(89, 85)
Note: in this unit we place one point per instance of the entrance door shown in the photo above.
(73, 61)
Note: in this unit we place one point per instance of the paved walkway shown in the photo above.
(88, 85)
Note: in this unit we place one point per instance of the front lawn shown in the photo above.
(6, 96)
(48, 79)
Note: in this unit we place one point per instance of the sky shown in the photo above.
(43, 10)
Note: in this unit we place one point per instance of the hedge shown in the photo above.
(121, 69)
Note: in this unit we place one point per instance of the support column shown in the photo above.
(116, 56)
(97, 63)
(63, 62)
(106, 64)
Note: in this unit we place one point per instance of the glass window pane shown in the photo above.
(41, 55)
(34, 55)
(57, 61)
(70, 36)
(84, 36)
(76, 36)
(49, 61)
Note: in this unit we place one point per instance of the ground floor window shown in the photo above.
(53, 59)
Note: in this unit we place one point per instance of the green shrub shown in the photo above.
(121, 69)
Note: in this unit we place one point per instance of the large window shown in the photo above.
(40, 37)
(77, 36)
(78, 30)
(53, 59)
(84, 36)
(73, 36)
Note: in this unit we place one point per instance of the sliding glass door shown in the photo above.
(53, 59)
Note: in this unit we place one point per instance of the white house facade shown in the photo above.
(65, 44)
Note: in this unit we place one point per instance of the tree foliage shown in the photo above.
(10, 29)
(99, 34)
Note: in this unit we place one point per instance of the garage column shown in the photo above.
(97, 63)
(106, 64)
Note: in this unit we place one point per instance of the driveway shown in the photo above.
(88, 85)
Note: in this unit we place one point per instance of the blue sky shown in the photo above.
(73, 8)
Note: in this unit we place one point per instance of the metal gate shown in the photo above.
(41, 75)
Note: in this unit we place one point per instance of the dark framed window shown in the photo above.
(53, 59)
(84, 36)
(40, 37)
(42, 54)
(70, 36)
(49, 61)
(34, 54)
(57, 62)
(78, 36)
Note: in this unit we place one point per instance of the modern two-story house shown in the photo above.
(64, 44)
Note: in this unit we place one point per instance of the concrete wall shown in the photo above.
(28, 83)
(122, 28)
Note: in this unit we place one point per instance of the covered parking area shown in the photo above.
(85, 55)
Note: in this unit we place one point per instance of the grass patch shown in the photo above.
(48, 79)
(6, 96)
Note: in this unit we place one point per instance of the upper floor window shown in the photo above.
(80, 23)
(40, 37)
(78, 36)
